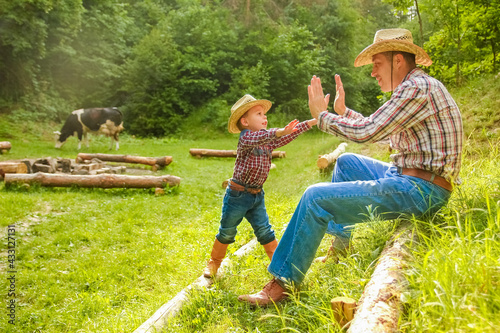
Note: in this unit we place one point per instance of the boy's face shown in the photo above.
(254, 119)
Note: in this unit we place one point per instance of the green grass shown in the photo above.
(104, 260)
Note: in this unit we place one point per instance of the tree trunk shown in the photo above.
(379, 307)
(99, 181)
(225, 153)
(153, 161)
(420, 24)
(325, 160)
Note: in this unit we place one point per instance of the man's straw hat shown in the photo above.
(392, 40)
(243, 105)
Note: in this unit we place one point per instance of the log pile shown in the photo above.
(92, 181)
(199, 153)
(155, 162)
(5, 146)
(60, 172)
(324, 161)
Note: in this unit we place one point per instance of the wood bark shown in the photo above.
(153, 161)
(5, 146)
(225, 153)
(99, 181)
(379, 307)
(326, 160)
(13, 167)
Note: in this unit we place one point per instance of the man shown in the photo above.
(423, 124)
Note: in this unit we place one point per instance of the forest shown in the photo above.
(173, 65)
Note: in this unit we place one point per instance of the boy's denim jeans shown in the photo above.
(237, 205)
(359, 184)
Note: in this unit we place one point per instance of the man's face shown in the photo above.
(255, 119)
(382, 71)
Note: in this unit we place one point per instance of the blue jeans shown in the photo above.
(358, 183)
(238, 205)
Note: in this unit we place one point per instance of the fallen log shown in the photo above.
(379, 307)
(5, 146)
(13, 167)
(155, 162)
(98, 181)
(328, 159)
(225, 153)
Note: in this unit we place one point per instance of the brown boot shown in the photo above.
(339, 247)
(270, 248)
(218, 253)
(272, 293)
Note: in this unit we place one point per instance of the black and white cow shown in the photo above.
(106, 121)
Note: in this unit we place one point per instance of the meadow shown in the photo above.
(104, 260)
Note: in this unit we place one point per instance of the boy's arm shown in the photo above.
(298, 129)
(288, 129)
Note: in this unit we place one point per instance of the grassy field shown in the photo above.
(104, 260)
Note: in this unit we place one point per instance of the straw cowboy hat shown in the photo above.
(243, 105)
(392, 40)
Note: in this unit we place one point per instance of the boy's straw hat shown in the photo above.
(392, 40)
(243, 105)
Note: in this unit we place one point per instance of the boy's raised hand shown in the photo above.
(288, 129)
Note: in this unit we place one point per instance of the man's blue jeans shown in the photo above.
(238, 205)
(358, 183)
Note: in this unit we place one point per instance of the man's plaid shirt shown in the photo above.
(254, 154)
(421, 120)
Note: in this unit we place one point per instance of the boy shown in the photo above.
(244, 195)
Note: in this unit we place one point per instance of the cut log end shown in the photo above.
(343, 310)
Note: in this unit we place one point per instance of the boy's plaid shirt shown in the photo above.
(254, 153)
(421, 120)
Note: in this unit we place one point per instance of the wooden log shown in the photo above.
(152, 161)
(5, 146)
(99, 181)
(379, 307)
(13, 167)
(226, 153)
(343, 309)
(326, 160)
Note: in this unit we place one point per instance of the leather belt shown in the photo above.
(427, 175)
(241, 188)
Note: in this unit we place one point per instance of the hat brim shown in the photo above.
(365, 56)
(239, 112)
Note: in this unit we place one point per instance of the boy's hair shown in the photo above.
(239, 124)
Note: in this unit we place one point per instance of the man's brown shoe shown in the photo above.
(272, 293)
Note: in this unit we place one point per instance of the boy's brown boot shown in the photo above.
(218, 253)
(270, 248)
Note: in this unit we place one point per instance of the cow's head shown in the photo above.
(57, 138)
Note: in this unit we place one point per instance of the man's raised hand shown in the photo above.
(339, 103)
(318, 102)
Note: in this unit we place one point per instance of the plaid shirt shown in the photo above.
(254, 153)
(421, 120)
